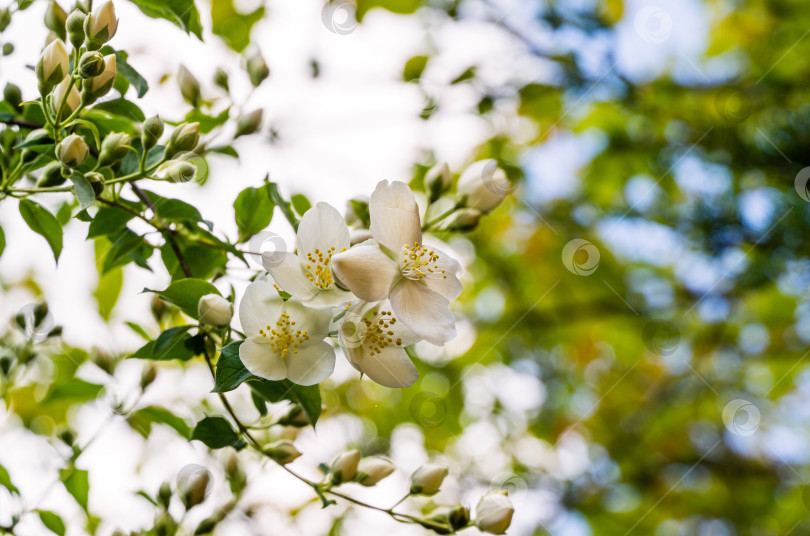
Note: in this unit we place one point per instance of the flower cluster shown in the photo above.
(380, 295)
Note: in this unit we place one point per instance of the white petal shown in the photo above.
(262, 361)
(288, 273)
(315, 321)
(367, 271)
(424, 311)
(394, 216)
(322, 228)
(446, 284)
(353, 330)
(312, 364)
(329, 298)
(391, 367)
(260, 307)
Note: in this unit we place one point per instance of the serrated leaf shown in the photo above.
(217, 433)
(230, 372)
(43, 223)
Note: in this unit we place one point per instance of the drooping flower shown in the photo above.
(420, 281)
(428, 479)
(374, 342)
(373, 469)
(494, 512)
(284, 339)
(307, 275)
(483, 185)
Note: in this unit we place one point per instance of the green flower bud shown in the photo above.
(113, 148)
(165, 494)
(483, 185)
(428, 479)
(55, 18)
(100, 26)
(344, 467)
(13, 95)
(437, 181)
(189, 86)
(51, 175)
(176, 171)
(75, 28)
(249, 123)
(5, 364)
(221, 79)
(8, 48)
(184, 138)
(295, 417)
(148, 376)
(72, 151)
(283, 452)
(373, 469)
(151, 131)
(448, 519)
(5, 19)
(257, 68)
(97, 87)
(91, 64)
(96, 180)
(196, 488)
(53, 66)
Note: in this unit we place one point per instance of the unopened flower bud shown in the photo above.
(113, 148)
(8, 49)
(233, 470)
(184, 138)
(100, 26)
(344, 467)
(483, 185)
(53, 66)
(214, 310)
(257, 68)
(221, 79)
(95, 88)
(151, 131)
(91, 64)
(196, 488)
(75, 28)
(176, 171)
(13, 95)
(448, 519)
(249, 123)
(5, 19)
(165, 494)
(51, 175)
(148, 376)
(494, 512)
(283, 452)
(55, 18)
(373, 469)
(72, 151)
(428, 479)
(158, 308)
(96, 180)
(65, 101)
(295, 417)
(437, 181)
(464, 219)
(5, 364)
(189, 86)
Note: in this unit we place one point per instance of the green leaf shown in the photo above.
(285, 206)
(122, 108)
(83, 191)
(43, 223)
(404, 7)
(186, 294)
(208, 122)
(72, 391)
(132, 76)
(217, 433)
(182, 13)
(254, 210)
(232, 26)
(300, 203)
(308, 397)
(230, 372)
(2, 241)
(414, 68)
(174, 209)
(227, 150)
(107, 291)
(173, 343)
(5, 481)
(138, 329)
(108, 220)
(77, 483)
(52, 522)
(143, 419)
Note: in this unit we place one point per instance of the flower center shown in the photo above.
(419, 262)
(374, 331)
(318, 270)
(284, 337)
